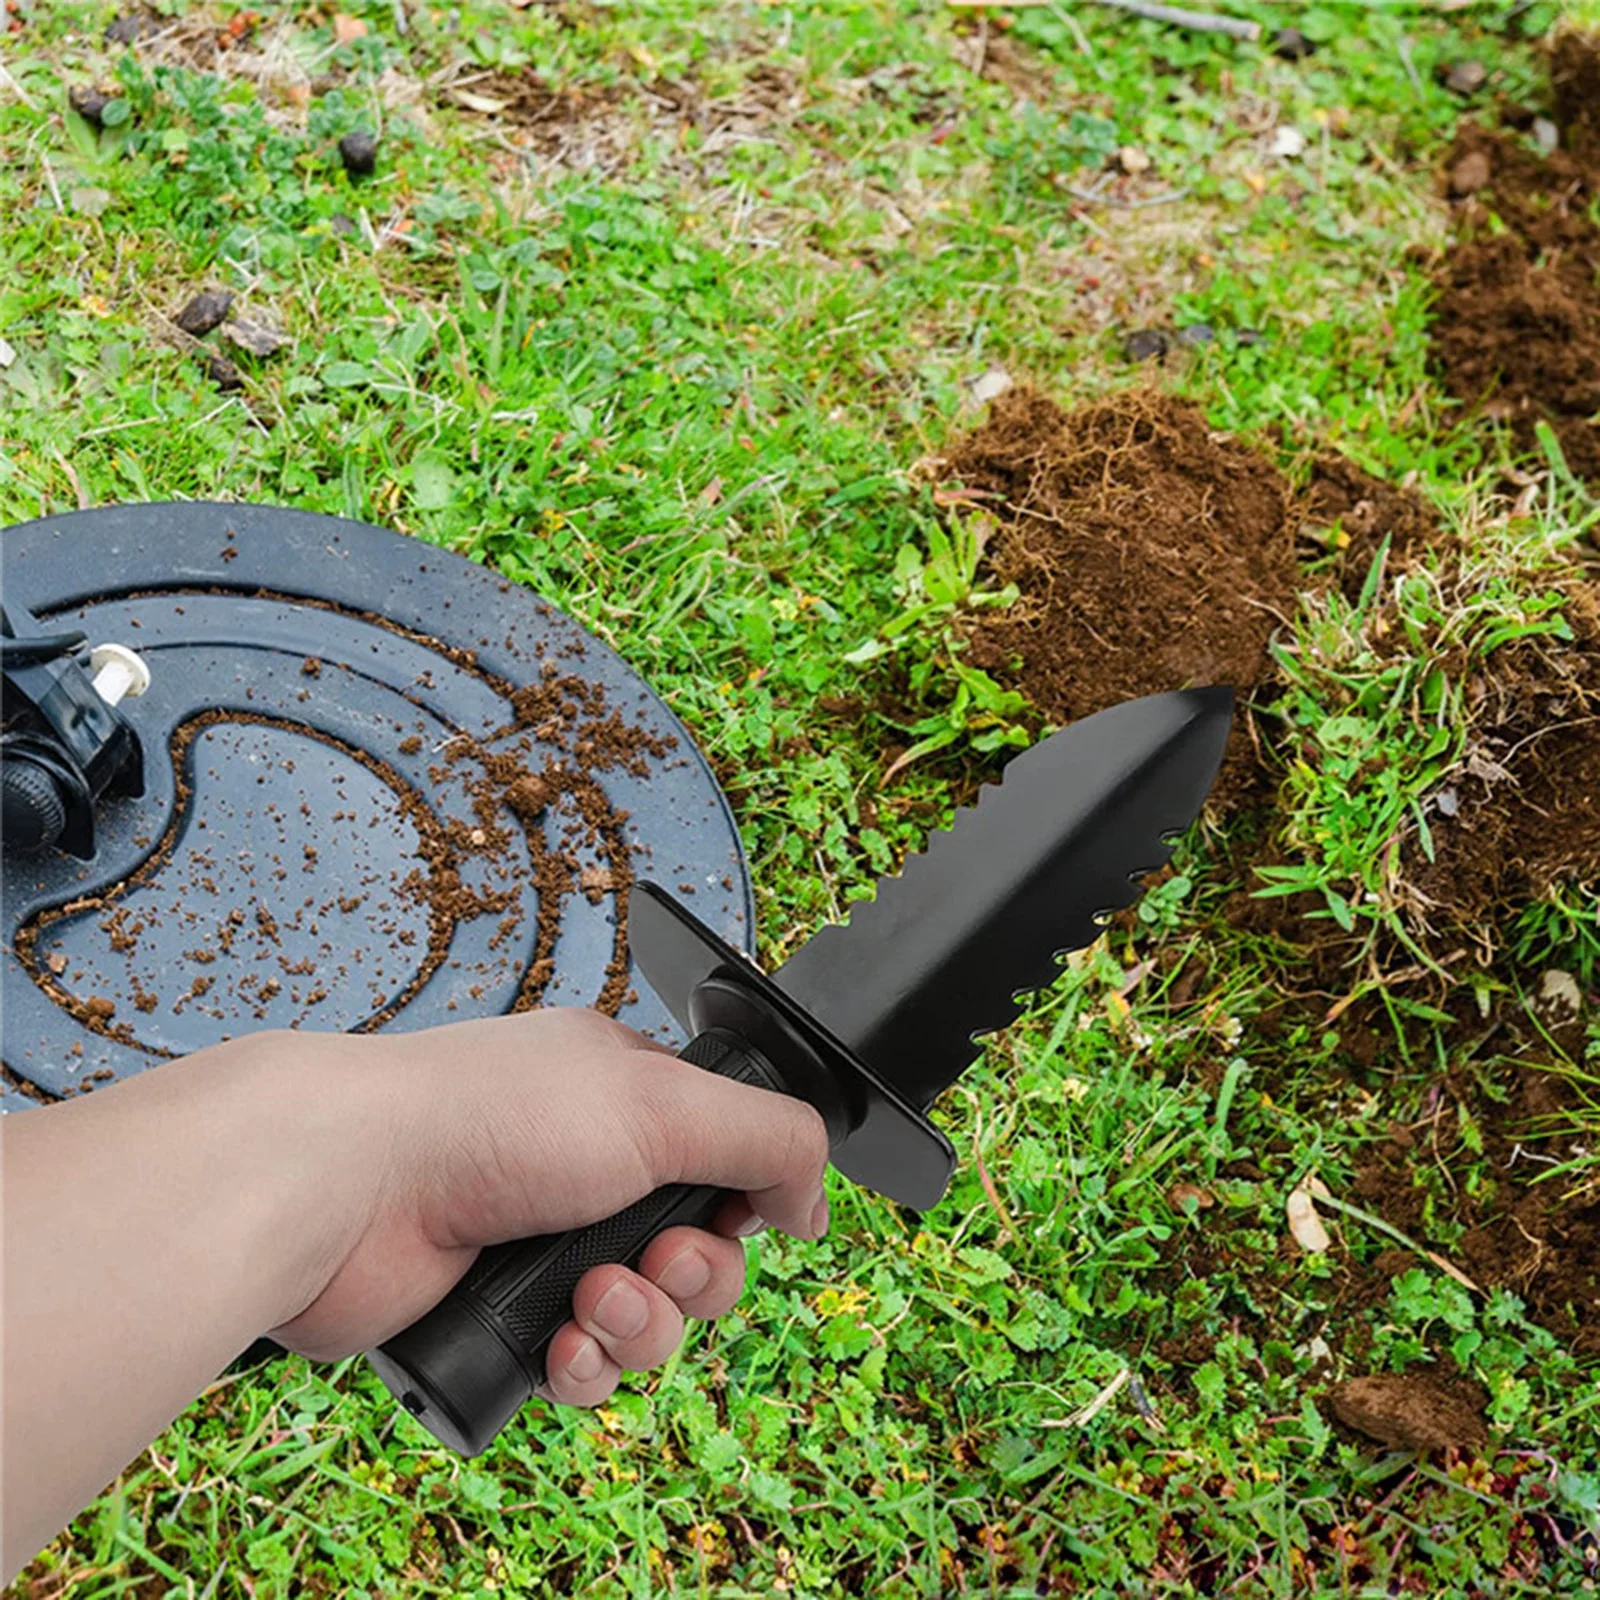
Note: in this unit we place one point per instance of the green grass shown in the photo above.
(678, 383)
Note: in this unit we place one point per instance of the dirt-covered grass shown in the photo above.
(690, 317)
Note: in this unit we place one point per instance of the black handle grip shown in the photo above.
(465, 1368)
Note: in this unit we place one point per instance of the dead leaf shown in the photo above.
(990, 385)
(347, 29)
(259, 338)
(1559, 991)
(89, 201)
(1181, 1192)
(1305, 1224)
(485, 103)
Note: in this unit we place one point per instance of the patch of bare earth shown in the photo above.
(1517, 332)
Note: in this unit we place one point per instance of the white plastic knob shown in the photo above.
(118, 673)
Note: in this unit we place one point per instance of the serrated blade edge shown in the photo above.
(983, 913)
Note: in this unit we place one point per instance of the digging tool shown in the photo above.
(868, 1022)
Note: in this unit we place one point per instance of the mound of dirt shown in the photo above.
(1524, 813)
(1411, 1411)
(1517, 327)
(1151, 553)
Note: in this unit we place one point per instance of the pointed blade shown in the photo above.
(1022, 877)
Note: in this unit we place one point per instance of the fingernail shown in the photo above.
(685, 1275)
(819, 1218)
(622, 1311)
(585, 1367)
(752, 1225)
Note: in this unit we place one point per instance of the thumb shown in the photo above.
(692, 1126)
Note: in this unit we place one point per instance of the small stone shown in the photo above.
(223, 373)
(1144, 343)
(1559, 991)
(1464, 77)
(359, 152)
(1287, 142)
(90, 103)
(56, 961)
(1289, 44)
(205, 312)
(344, 226)
(126, 30)
(1546, 135)
(1196, 334)
(528, 797)
(1470, 174)
(100, 1008)
(1133, 160)
(1448, 801)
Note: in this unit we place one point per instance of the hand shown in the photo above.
(516, 1126)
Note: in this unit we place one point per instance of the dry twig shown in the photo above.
(1198, 21)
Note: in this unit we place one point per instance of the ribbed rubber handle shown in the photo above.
(467, 1367)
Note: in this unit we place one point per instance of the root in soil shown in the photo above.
(1518, 321)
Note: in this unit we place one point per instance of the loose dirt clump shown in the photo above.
(1518, 321)
(1522, 814)
(1411, 1411)
(1151, 553)
(1348, 511)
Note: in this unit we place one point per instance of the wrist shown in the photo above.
(318, 1134)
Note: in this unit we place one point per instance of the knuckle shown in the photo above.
(661, 1133)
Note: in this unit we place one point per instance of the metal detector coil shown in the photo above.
(371, 785)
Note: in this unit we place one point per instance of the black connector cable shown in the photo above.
(15, 652)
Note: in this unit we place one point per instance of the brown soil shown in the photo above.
(1518, 320)
(1530, 1236)
(1527, 807)
(552, 117)
(1412, 1411)
(1348, 511)
(1150, 552)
